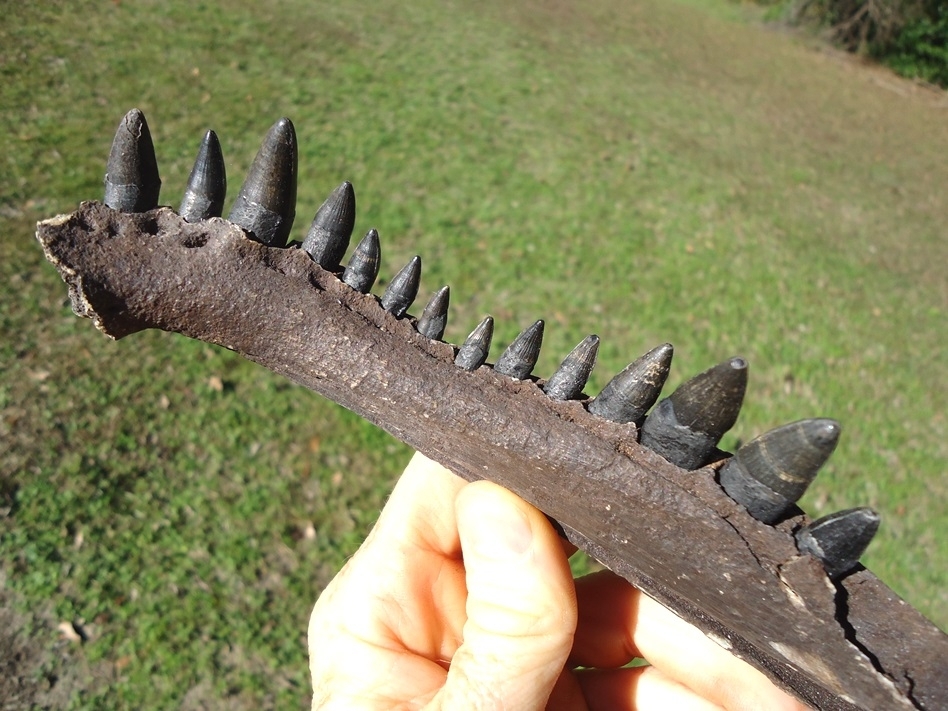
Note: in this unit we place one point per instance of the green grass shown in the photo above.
(649, 172)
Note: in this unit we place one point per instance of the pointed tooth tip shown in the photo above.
(434, 318)
(520, 357)
(403, 288)
(631, 392)
(473, 352)
(726, 381)
(569, 379)
(135, 116)
(266, 203)
(363, 267)
(660, 355)
(839, 539)
(331, 228)
(132, 182)
(207, 184)
(686, 426)
(283, 131)
(822, 431)
(769, 474)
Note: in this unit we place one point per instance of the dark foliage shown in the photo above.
(911, 36)
(921, 49)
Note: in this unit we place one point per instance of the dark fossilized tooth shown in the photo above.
(207, 184)
(266, 203)
(131, 178)
(328, 236)
(686, 426)
(570, 378)
(434, 318)
(403, 288)
(363, 267)
(473, 352)
(521, 355)
(770, 473)
(840, 539)
(630, 394)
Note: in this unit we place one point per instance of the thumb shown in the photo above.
(521, 605)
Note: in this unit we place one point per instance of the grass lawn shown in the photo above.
(651, 171)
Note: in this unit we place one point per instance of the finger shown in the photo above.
(567, 694)
(608, 614)
(404, 589)
(638, 689)
(521, 608)
(420, 512)
(700, 663)
(618, 623)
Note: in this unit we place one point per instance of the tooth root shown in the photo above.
(331, 229)
(434, 319)
(364, 263)
(403, 289)
(840, 539)
(630, 394)
(266, 204)
(686, 426)
(473, 352)
(132, 183)
(207, 184)
(521, 355)
(570, 378)
(769, 474)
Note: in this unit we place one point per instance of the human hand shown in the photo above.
(462, 598)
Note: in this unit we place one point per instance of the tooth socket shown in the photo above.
(266, 204)
(520, 357)
(630, 394)
(473, 352)
(132, 183)
(686, 427)
(329, 233)
(207, 184)
(434, 319)
(403, 288)
(840, 539)
(364, 263)
(570, 378)
(769, 474)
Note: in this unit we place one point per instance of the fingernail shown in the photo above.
(686, 426)
(403, 288)
(840, 539)
(630, 394)
(570, 378)
(266, 204)
(501, 532)
(769, 474)
(434, 319)
(207, 184)
(473, 352)
(363, 267)
(329, 233)
(132, 183)
(518, 360)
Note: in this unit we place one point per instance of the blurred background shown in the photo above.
(648, 171)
